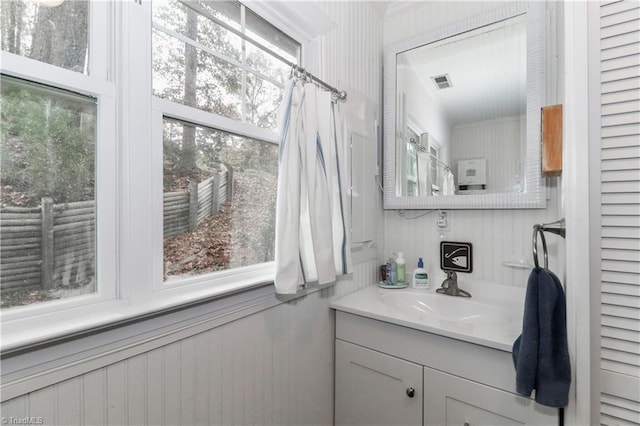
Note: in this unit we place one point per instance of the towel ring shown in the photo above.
(558, 227)
(537, 230)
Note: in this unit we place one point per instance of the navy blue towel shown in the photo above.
(541, 353)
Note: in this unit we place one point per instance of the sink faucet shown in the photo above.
(450, 286)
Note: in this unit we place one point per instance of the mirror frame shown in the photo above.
(534, 195)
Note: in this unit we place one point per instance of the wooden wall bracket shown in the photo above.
(552, 140)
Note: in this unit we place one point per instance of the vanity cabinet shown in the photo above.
(373, 388)
(388, 374)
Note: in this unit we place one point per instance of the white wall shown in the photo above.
(425, 113)
(501, 142)
(496, 235)
(272, 367)
(408, 20)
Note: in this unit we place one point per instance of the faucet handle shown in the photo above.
(450, 286)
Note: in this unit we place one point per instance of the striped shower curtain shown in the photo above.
(312, 233)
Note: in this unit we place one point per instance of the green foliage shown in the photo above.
(47, 147)
(214, 147)
(218, 89)
(268, 236)
(217, 83)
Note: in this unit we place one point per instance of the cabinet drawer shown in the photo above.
(376, 389)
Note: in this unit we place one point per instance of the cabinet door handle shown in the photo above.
(411, 392)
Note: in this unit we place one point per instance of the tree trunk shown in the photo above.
(60, 35)
(189, 149)
(12, 13)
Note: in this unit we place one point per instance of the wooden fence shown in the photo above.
(48, 246)
(54, 245)
(185, 210)
(20, 242)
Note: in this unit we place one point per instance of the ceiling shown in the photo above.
(487, 68)
(386, 8)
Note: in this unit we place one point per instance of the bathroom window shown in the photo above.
(133, 182)
(48, 193)
(218, 56)
(219, 193)
(434, 169)
(214, 61)
(57, 116)
(412, 163)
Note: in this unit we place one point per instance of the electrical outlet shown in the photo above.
(442, 224)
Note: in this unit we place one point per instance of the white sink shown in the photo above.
(448, 308)
(491, 317)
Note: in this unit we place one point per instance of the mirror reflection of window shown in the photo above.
(413, 187)
(434, 170)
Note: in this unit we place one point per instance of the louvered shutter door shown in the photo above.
(620, 198)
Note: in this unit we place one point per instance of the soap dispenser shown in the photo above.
(420, 277)
(401, 269)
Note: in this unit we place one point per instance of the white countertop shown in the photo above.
(491, 317)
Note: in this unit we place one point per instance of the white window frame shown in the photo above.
(220, 281)
(129, 184)
(95, 85)
(227, 280)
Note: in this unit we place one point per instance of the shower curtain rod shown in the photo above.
(340, 94)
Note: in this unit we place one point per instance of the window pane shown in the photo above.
(227, 11)
(170, 14)
(51, 31)
(266, 64)
(271, 37)
(186, 21)
(263, 102)
(184, 74)
(212, 73)
(219, 39)
(47, 178)
(219, 199)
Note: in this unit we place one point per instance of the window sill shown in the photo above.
(29, 328)
(35, 355)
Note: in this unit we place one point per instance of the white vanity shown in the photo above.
(414, 357)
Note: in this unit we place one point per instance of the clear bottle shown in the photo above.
(391, 271)
(420, 277)
(401, 269)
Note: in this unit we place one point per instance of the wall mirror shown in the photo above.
(462, 113)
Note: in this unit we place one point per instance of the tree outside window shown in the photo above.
(219, 188)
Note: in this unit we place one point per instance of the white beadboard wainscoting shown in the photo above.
(272, 367)
(496, 236)
(352, 53)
